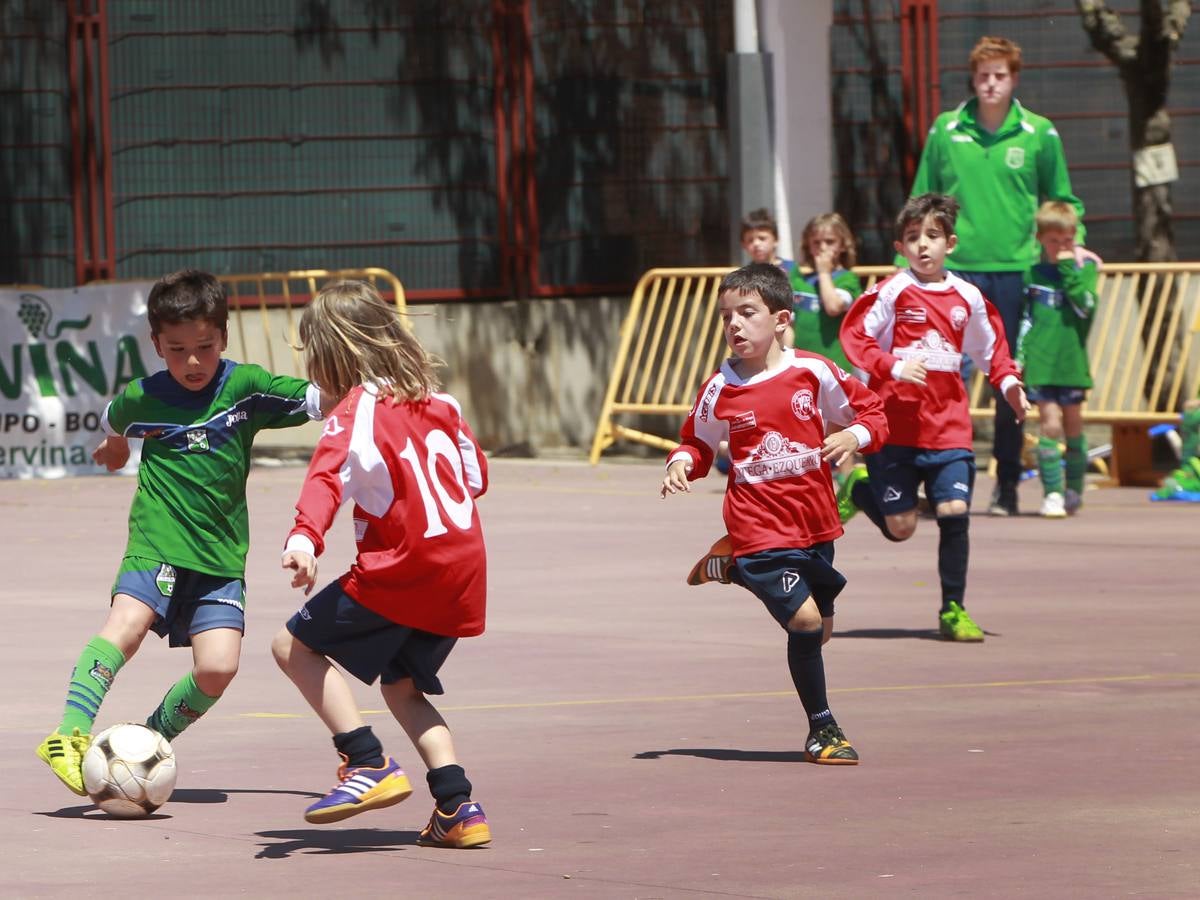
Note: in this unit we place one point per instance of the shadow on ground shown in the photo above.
(728, 755)
(323, 841)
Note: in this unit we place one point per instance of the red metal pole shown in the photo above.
(534, 231)
(500, 118)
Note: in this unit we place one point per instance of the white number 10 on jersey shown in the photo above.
(459, 512)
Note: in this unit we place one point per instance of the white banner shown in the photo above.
(63, 355)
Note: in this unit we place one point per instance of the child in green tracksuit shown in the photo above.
(1060, 297)
(821, 297)
(183, 573)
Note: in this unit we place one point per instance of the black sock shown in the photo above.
(449, 786)
(864, 499)
(360, 747)
(808, 674)
(953, 549)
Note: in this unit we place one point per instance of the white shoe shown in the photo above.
(1054, 506)
(1073, 501)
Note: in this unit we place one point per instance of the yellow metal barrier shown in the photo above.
(1143, 347)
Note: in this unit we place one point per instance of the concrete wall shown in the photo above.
(531, 374)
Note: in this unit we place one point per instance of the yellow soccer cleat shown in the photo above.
(63, 753)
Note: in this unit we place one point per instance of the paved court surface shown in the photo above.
(630, 736)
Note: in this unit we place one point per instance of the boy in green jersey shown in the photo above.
(821, 298)
(183, 572)
(1060, 297)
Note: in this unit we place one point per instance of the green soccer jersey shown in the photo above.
(189, 509)
(816, 330)
(1059, 302)
(999, 180)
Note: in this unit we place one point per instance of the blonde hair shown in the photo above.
(835, 223)
(1055, 215)
(988, 48)
(350, 335)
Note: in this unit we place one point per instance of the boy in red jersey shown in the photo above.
(908, 334)
(405, 455)
(773, 405)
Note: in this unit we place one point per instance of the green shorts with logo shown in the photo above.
(185, 602)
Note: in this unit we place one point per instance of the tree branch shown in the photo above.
(1107, 32)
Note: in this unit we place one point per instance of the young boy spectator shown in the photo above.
(774, 406)
(1060, 297)
(1184, 483)
(760, 239)
(183, 573)
(908, 333)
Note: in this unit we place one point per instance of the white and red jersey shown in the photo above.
(779, 491)
(901, 318)
(413, 471)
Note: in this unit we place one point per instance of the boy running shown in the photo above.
(183, 573)
(908, 333)
(774, 406)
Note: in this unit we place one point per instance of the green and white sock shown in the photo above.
(182, 705)
(1050, 465)
(1076, 462)
(91, 680)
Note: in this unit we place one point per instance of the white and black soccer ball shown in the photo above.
(129, 771)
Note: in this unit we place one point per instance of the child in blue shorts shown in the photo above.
(402, 452)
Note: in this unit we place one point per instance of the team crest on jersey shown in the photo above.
(958, 317)
(914, 315)
(777, 457)
(803, 405)
(1015, 157)
(165, 580)
(742, 422)
(197, 440)
(938, 353)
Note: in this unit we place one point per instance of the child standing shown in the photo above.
(406, 457)
(908, 333)
(760, 239)
(773, 405)
(183, 574)
(1060, 297)
(821, 298)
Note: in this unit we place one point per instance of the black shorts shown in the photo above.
(784, 579)
(367, 645)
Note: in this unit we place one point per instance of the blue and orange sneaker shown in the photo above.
(715, 564)
(466, 827)
(360, 789)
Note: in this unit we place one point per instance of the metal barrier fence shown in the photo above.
(1143, 347)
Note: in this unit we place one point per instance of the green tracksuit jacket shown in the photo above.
(999, 180)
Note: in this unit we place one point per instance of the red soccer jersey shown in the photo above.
(779, 492)
(901, 318)
(413, 471)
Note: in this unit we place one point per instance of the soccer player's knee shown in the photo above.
(806, 618)
(952, 508)
(281, 648)
(213, 677)
(902, 527)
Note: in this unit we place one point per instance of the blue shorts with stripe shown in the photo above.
(366, 644)
(895, 471)
(185, 602)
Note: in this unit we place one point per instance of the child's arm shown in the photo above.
(834, 300)
(872, 315)
(112, 453)
(1079, 284)
(984, 342)
(849, 404)
(701, 434)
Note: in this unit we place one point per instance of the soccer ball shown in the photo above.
(129, 771)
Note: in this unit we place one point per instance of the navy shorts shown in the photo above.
(185, 602)
(1063, 396)
(783, 579)
(366, 644)
(896, 471)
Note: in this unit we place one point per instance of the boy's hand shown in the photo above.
(823, 262)
(1068, 254)
(676, 480)
(839, 447)
(112, 453)
(914, 371)
(1015, 395)
(304, 569)
(1083, 255)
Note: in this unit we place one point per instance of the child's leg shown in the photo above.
(215, 656)
(1076, 457)
(1049, 455)
(954, 547)
(429, 733)
(323, 686)
(888, 495)
(950, 483)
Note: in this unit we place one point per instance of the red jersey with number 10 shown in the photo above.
(413, 471)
